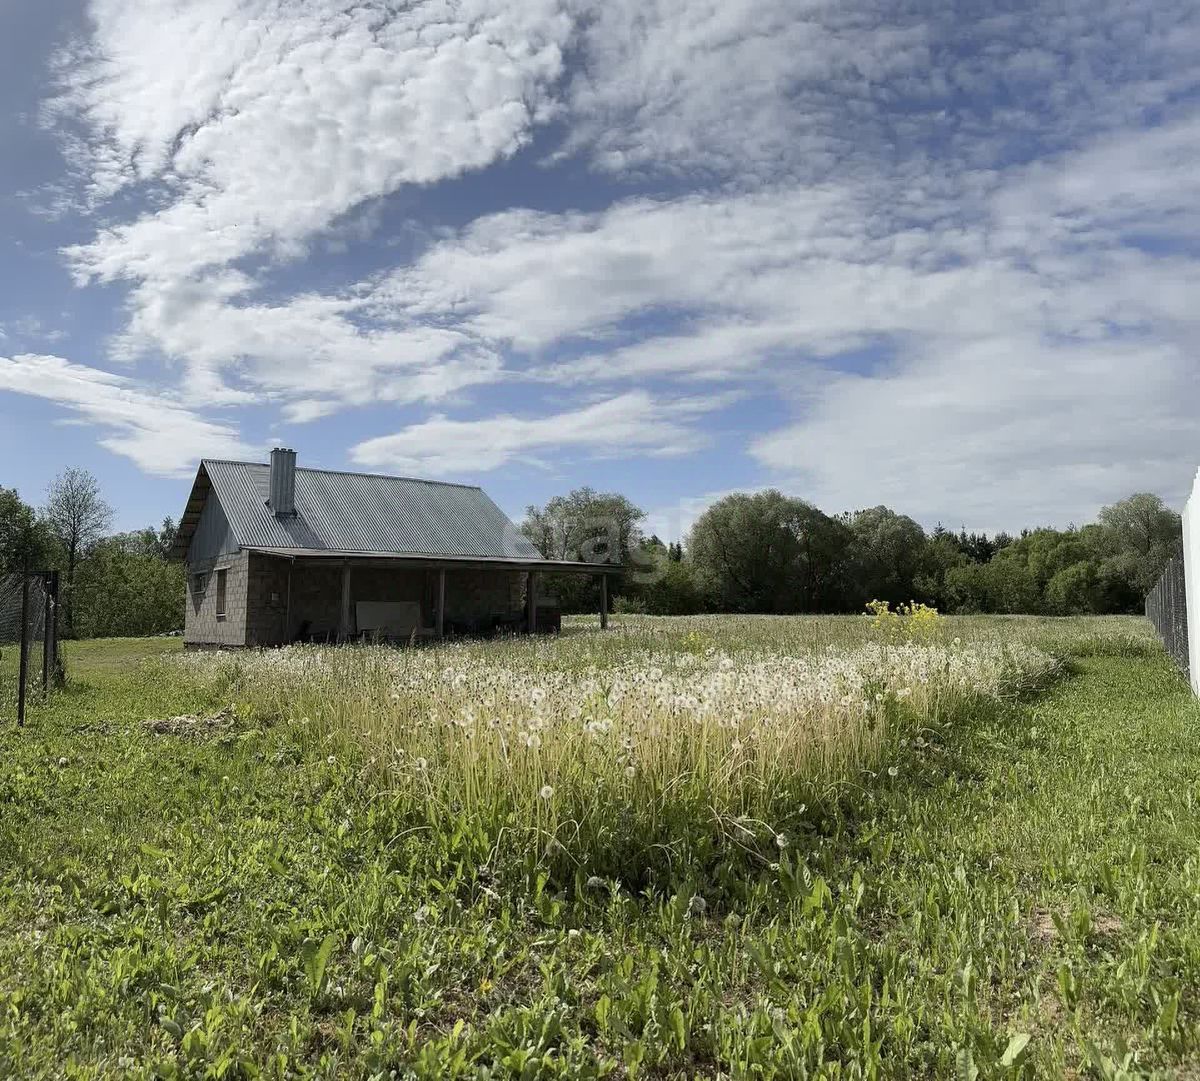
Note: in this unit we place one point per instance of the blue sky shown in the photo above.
(939, 256)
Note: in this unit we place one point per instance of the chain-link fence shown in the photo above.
(1166, 608)
(29, 657)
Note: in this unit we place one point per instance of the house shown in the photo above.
(277, 554)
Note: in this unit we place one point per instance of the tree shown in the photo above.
(125, 587)
(767, 552)
(940, 555)
(1004, 585)
(886, 556)
(24, 540)
(1141, 534)
(1074, 590)
(587, 525)
(665, 585)
(77, 517)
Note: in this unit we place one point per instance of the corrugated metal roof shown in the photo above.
(501, 562)
(364, 513)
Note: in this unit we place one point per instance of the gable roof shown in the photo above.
(361, 513)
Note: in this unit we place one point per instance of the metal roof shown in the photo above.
(355, 513)
(498, 562)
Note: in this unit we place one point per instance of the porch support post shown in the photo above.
(441, 602)
(345, 628)
(287, 611)
(603, 601)
(531, 602)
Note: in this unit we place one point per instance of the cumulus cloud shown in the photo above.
(285, 116)
(284, 119)
(999, 434)
(632, 423)
(158, 432)
(846, 203)
(307, 346)
(824, 89)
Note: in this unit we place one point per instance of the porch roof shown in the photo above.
(326, 555)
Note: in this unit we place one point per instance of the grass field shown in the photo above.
(704, 847)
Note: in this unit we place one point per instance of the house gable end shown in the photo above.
(204, 529)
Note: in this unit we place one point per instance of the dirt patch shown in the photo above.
(194, 725)
(1044, 931)
(1042, 927)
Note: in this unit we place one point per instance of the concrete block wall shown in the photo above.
(263, 608)
(201, 624)
(317, 594)
(267, 600)
(478, 594)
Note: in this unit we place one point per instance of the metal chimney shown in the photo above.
(283, 482)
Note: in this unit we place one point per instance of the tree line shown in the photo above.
(773, 553)
(110, 584)
(749, 552)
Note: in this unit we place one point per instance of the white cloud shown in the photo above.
(283, 120)
(161, 435)
(285, 116)
(972, 212)
(631, 423)
(998, 434)
(307, 346)
(725, 286)
(735, 86)
(836, 89)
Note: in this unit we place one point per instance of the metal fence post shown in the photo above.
(24, 666)
(56, 672)
(46, 644)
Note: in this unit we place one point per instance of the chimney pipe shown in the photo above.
(283, 482)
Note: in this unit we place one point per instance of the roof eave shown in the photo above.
(190, 518)
(564, 566)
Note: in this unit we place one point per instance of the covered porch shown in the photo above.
(317, 595)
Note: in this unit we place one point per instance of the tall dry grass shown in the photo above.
(660, 739)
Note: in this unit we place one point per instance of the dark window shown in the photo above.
(198, 585)
(220, 594)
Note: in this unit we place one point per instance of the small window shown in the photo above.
(220, 594)
(198, 585)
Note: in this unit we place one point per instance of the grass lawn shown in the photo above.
(1017, 896)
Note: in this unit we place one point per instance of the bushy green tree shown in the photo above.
(1074, 590)
(25, 541)
(664, 583)
(1003, 585)
(886, 556)
(767, 552)
(941, 554)
(1140, 534)
(125, 587)
(586, 525)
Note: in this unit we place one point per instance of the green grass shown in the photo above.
(1021, 899)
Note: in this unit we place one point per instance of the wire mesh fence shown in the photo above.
(28, 640)
(1166, 608)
